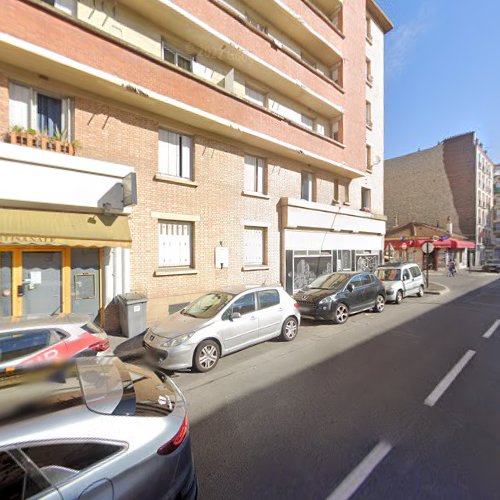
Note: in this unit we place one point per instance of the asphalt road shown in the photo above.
(399, 405)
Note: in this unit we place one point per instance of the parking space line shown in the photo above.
(491, 329)
(440, 389)
(360, 473)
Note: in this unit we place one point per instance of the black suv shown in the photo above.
(336, 296)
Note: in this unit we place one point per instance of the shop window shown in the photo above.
(175, 154)
(175, 244)
(254, 174)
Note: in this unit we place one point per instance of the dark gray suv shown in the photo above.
(336, 296)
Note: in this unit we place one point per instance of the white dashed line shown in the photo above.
(440, 389)
(358, 475)
(491, 329)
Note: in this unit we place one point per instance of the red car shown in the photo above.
(41, 339)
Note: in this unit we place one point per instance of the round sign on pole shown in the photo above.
(427, 247)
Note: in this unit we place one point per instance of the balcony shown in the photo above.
(129, 76)
(249, 51)
(301, 214)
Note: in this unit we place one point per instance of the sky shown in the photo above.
(442, 64)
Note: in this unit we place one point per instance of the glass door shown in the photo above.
(41, 288)
(5, 283)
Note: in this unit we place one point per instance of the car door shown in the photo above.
(236, 332)
(269, 314)
(356, 296)
(417, 279)
(370, 290)
(407, 283)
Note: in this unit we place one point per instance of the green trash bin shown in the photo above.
(132, 307)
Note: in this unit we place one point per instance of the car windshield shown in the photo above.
(208, 305)
(389, 274)
(329, 281)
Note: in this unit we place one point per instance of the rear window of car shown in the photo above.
(24, 342)
(415, 271)
(268, 298)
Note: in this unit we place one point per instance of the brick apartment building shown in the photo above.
(451, 180)
(254, 131)
(496, 212)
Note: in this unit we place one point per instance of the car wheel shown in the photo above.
(399, 297)
(340, 314)
(206, 356)
(420, 292)
(379, 304)
(289, 329)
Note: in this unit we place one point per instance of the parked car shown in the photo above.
(401, 280)
(492, 266)
(38, 339)
(336, 296)
(96, 428)
(219, 323)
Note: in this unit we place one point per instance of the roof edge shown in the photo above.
(379, 15)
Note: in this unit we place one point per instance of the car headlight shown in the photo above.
(326, 300)
(177, 340)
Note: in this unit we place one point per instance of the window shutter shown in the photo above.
(173, 166)
(250, 164)
(19, 105)
(260, 176)
(174, 244)
(68, 6)
(163, 151)
(186, 142)
(254, 246)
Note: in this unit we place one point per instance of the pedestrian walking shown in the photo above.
(452, 270)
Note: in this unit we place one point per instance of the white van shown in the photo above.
(401, 280)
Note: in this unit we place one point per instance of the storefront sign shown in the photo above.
(11, 239)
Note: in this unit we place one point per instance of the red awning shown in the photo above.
(448, 243)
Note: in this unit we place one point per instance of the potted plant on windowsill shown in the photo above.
(57, 142)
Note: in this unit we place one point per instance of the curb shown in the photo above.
(439, 290)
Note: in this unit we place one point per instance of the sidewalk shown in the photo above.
(436, 289)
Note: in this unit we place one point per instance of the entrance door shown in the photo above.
(5, 283)
(42, 282)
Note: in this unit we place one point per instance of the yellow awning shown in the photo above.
(39, 227)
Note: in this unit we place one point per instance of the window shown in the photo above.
(175, 244)
(337, 130)
(268, 298)
(365, 279)
(366, 198)
(369, 76)
(369, 157)
(406, 275)
(345, 258)
(415, 272)
(33, 109)
(254, 246)
(357, 282)
(254, 95)
(369, 114)
(245, 304)
(174, 154)
(254, 174)
(336, 73)
(369, 28)
(307, 186)
(307, 121)
(68, 6)
(176, 57)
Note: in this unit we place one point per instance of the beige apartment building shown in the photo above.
(452, 180)
(252, 131)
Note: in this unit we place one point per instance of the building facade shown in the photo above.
(496, 212)
(451, 180)
(253, 130)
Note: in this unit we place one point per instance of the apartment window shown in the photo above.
(175, 154)
(369, 122)
(68, 6)
(308, 60)
(35, 109)
(176, 57)
(369, 76)
(254, 95)
(175, 244)
(337, 130)
(254, 242)
(366, 198)
(256, 24)
(336, 198)
(369, 28)
(307, 187)
(369, 164)
(336, 18)
(307, 121)
(254, 174)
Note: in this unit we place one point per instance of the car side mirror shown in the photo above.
(235, 315)
(349, 287)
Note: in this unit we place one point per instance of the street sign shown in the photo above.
(428, 247)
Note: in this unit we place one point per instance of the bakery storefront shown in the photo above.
(53, 262)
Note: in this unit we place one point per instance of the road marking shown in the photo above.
(491, 329)
(358, 475)
(440, 389)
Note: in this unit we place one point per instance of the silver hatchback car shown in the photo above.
(93, 428)
(219, 323)
(401, 280)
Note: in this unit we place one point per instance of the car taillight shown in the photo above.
(101, 346)
(176, 441)
(296, 305)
